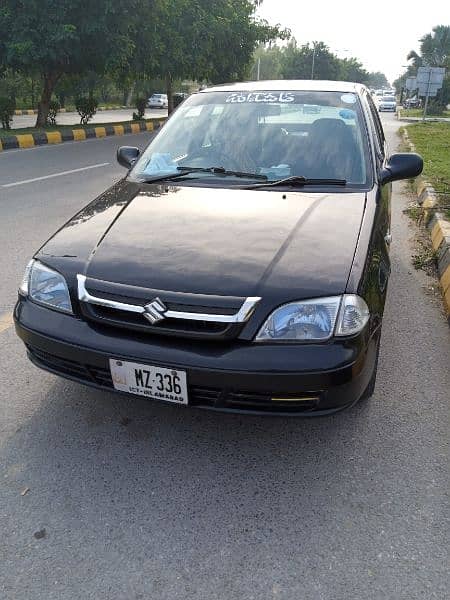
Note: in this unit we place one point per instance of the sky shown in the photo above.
(379, 36)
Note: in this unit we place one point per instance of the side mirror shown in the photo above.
(401, 166)
(127, 156)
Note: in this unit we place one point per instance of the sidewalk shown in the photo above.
(104, 116)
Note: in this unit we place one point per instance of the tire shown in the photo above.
(368, 392)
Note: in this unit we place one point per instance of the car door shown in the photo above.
(381, 238)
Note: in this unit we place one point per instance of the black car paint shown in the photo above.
(270, 254)
(224, 246)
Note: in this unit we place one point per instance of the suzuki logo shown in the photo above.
(154, 311)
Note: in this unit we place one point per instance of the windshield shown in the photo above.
(388, 99)
(316, 135)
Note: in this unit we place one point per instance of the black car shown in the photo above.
(241, 264)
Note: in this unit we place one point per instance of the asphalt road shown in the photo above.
(145, 501)
(104, 116)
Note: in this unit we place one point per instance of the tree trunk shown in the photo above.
(32, 93)
(130, 94)
(50, 80)
(169, 92)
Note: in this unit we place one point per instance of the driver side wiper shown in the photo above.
(214, 170)
(296, 181)
(223, 171)
(166, 177)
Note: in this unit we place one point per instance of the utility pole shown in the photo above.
(313, 60)
(427, 96)
(258, 69)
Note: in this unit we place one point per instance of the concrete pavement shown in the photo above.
(129, 499)
(105, 116)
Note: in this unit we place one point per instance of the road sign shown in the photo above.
(411, 84)
(429, 80)
(436, 73)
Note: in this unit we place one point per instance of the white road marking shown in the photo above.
(60, 174)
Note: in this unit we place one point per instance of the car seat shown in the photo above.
(332, 151)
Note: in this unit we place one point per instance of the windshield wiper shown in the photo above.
(166, 177)
(213, 170)
(223, 171)
(296, 181)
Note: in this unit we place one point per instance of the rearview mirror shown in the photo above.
(401, 166)
(127, 156)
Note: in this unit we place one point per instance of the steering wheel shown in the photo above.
(219, 158)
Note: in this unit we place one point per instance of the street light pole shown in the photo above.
(313, 60)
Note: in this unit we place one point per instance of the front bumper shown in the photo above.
(312, 379)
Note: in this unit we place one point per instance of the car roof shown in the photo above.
(306, 85)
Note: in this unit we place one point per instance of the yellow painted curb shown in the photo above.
(149, 126)
(445, 279)
(25, 140)
(79, 134)
(53, 137)
(430, 202)
(438, 233)
(118, 129)
(135, 128)
(421, 185)
(100, 132)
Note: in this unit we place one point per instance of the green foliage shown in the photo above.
(110, 44)
(377, 80)
(434, 52)
(435, 47)
(202, 40)
(316, 61)
(270, 60)
(54, 106)
(310, 61)
(352, 70)
(7, 107)
(86, 108)
(141, 104)
(431, 140)
(296, 62)
(55, 38)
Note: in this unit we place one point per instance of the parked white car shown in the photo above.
(387, 103)
(158, 101)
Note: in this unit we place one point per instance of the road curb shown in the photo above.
(28, 140)
(438, 228)
(33, 111)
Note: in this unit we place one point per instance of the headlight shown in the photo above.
(316, 319)
(45, 286)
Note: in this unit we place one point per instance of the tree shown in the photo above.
(434, 52)
(57, 37)
(269, 61)
(435, 47)
(377, 80)
(206, 40)
(352, 70)
(310, 61)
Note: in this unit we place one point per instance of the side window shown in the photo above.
(377, 123)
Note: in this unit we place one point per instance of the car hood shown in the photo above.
(233, 242)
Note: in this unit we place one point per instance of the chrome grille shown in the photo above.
(163, 313)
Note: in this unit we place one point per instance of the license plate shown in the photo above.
(147, 380)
